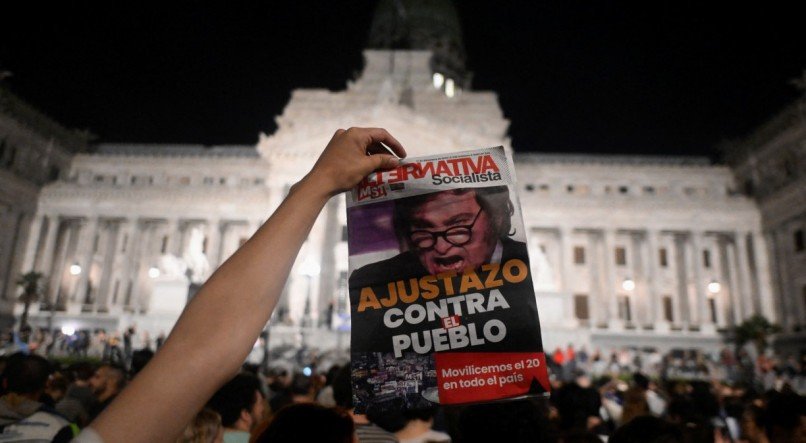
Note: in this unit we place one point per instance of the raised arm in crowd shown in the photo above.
(237, 300)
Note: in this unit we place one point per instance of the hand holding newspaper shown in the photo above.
(441, 295)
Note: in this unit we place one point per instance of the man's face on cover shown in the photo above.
(450, 232)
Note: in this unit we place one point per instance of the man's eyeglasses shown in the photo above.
(456, 235)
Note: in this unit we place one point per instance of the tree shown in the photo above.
(756, 329)
(32, 284)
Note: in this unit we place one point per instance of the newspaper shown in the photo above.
(442, 302)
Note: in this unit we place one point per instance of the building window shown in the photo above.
(570, 189)
(544, 188)
(124, 243)
(529, 188)
(706, 258)
(184, 181)
(208, 180)
(668, 310)
(579, 255)
(800, 242)
(621, 256)
(623, 189)
(95, 242)
(204, 244)
(624, 313)
(663, 258)
(344, 233)
(164, 247)
(581, 307)
(649, 190)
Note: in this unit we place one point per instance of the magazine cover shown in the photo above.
(441, 297)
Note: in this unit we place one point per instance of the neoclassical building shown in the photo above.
(34, 151)
(770, 166)
(626, 250)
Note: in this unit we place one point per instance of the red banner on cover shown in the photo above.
(465, 377)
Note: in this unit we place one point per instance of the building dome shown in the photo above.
(422, 24)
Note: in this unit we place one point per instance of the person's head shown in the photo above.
(204, 428)
(107, 381)
(455, 229)
(239, 402)
(343, 389)
(26, 375)
(302, 388)
(140, 359)
(309, 422)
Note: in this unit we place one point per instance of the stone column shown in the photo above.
(654, 306)
(174, 237)
(45, 262)
(735, 292)
(787, 310)
(614, 322)
(32, 243)
(597, 304)
(213, 231)
(60, 264)
(763, 277)
(84, 254)
(110, 230)
(133, 270)
(566, 266)
(703, 308)
(744, 276)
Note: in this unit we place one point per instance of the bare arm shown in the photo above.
(218, 328)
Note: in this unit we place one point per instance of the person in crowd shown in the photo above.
(647, 429)
(140, 359)
(55, 389)
(79, 399)
(364, 428)
(106, 383)
(204, 428)
(510, 421)
(241, 405)
(23, 417)
(303, 422)
(578, 404)
(419, 423)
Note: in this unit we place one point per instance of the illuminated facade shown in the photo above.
(638, 251)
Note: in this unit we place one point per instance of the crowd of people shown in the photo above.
(622, 395)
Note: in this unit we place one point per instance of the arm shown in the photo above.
(218, 328)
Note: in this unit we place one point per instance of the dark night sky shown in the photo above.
(649, 77)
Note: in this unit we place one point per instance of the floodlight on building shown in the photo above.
(449, 88)
(153, 272)
(714, 287)
(75, 269)
(628, 284)
(68, 330)
(439, 80)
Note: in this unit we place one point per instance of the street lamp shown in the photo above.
(628, 284)
(714, 287)
(153, 272)
(75, 269)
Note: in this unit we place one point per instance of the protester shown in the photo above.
(22, 416)
(308, 422)
(241, 406)
(106, 383)
(364, 428)
(419, 423)
(204, 428)
(79, 399)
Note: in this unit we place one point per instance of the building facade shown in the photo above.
(626, 251)
(770, 166)
(34, 151)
